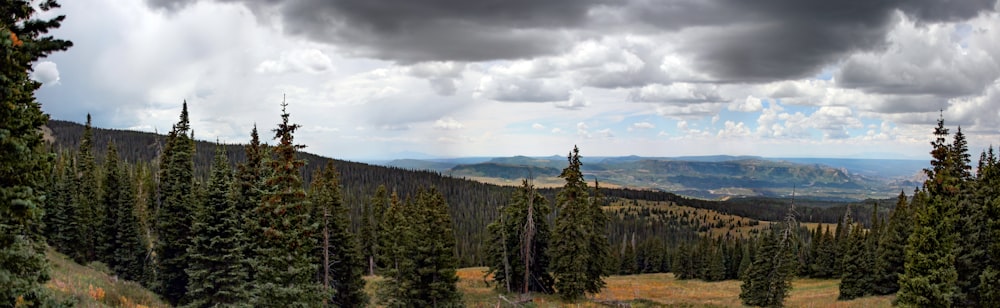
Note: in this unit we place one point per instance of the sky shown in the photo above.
(379, 79)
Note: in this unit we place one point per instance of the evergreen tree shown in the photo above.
(930, 276)
(598, 246)
(988, 180)
(856, 275)
(125, 251)
(339, 256)
(420, 252)
(970, 247)
(627, 263)
(249, 183)
(61, 212)
(371, 218)
(23, 160)
(683, 265)
(573, 261)
(398, 237)
(989, 291)
(285, 272)
(768, 279)
(216, 273)
(173, 215)
(110, 198)
(507, 249)
(890, 254)
(87, 200)
(716, 268)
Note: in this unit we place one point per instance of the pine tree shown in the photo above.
(988, 193)
(144, 210)
(285, 272)
(398, 237)
(598, 246)
(853, 282)
(716, 268)
(436, 264)
(930, 277)
(173, 215)
(682, 266)
(768, 279)
(420, 254)
(124, 251)
(24, 162)
(249, 183)
(970, 247)
(627, 263)
(890, 254)
(372, 214)
(216, 273)
(507, 249)
(61, 211)
(110, 198)
(571, 248)
(338, 254)
(87, 200)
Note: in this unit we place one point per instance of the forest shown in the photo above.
(269, 225)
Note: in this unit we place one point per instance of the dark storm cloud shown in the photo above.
(779, 39)
(733, 40)
(455, 30)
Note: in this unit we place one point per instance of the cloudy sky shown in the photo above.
(384, 78)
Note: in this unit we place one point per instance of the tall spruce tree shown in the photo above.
(216, 273)
(87, 199)
(399, 234)
(341, 263)
(598, 246)
(24, 162)
(173, 215)
(579, 249)
(970, 247)
(768, 279)
(930, 277)
(60, 214)
(890, 254)
(988, 193)
(371, 234)
(856, 277)
(123, 251)
(249, 183)
(285, 272)
(510, 245)
(421, 265)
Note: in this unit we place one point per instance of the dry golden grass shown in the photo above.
(86, 286)
(663, 289)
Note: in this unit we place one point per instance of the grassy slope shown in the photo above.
(86, 286)
(656, 290)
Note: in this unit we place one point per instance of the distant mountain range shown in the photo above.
(711, 177)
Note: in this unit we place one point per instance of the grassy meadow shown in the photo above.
(662, 290)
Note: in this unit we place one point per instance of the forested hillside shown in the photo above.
(472, 204)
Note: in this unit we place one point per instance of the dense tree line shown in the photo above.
(472, 204)
(256, 235)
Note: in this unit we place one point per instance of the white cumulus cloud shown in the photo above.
(46, 72)
(448, 123)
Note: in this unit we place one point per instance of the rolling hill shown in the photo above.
(711, 177)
